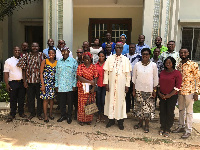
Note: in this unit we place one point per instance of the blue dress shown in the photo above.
(49, 80)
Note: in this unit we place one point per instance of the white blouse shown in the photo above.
(95, 52)
(145, 77)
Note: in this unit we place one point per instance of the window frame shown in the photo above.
(110, 21)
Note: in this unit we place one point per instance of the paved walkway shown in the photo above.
(37, 135)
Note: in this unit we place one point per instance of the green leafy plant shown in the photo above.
(4, 95)
(8, 6)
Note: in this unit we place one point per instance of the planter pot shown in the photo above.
(4, 105)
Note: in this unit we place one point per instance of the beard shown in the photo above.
(185, 58)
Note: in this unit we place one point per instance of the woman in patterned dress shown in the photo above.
(86, 73)
(47, 76)
(145, 81)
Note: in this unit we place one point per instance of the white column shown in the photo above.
(148, 20)
(163, 21)
(55, 22)
(5, 40)
(68, 23)
(45, 22)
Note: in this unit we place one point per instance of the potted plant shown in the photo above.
(4, 96)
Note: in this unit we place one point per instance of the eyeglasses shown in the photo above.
(79, 52)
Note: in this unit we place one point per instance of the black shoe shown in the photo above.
(40, 117)
(10, 119)
(51, 117)
(46, 120)
(61, 119)
(110, 123)
(121, 126)
(23, 116)
(186, 135)
(69, 120)
(30, 117)
(178, 130)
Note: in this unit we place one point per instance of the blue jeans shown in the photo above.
(101, 93)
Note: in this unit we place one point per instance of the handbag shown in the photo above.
(91, 107)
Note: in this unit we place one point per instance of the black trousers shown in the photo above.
(75, 100)
(129, 98)
(17, 95)
(167, 108)
(66, 98)
(33, 92)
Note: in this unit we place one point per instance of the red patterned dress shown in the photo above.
(88, 73)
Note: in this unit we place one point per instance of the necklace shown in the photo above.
(146, 63)
(117, 63)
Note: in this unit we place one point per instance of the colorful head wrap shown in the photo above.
(124, 36)
(87, 54)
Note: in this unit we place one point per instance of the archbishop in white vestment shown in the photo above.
(117, 75)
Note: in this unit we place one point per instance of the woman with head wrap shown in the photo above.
(87, 75)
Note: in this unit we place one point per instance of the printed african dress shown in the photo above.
(49, 80)
(88, 73)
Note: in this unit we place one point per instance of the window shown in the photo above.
(99, 27)
(191, 41)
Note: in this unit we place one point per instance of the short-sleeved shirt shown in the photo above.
(10, 66)
(159, 64)
(66, 74)
(173, 54)
(139, 48)
(162, 49)
(31, 63)
(100, 74)
(125, 49)
(112, 45)
(170, 81)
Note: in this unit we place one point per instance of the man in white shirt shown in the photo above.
(61, 45)
(171, 52)
(14, 84)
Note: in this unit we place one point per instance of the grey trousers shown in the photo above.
(185, 103)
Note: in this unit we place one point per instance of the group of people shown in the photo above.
(115, 75)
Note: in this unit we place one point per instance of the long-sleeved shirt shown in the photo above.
(190, 74)
(66, 74)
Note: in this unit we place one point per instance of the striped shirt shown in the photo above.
(31, 64)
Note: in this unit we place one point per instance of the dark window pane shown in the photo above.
(113, 26)
(116, 26)
(121, 27)
(117, 33)
(101, 26)
(113, 33)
